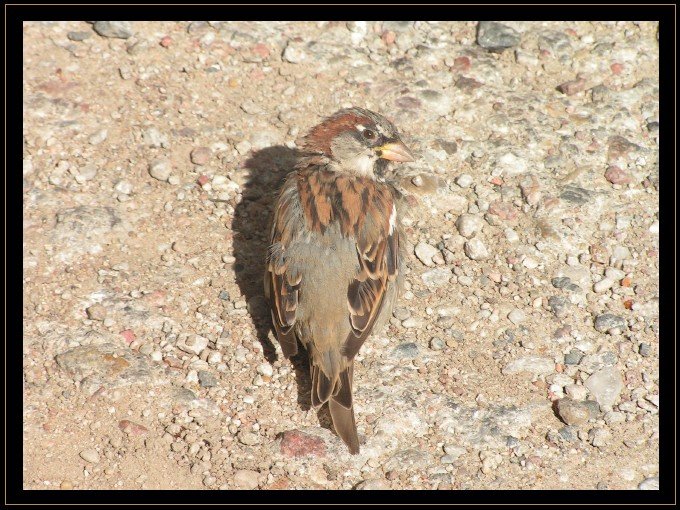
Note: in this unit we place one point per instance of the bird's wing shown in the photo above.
(378, 267)
(281, 281)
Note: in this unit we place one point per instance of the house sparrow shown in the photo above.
(334, 256)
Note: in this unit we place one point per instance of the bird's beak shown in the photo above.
(395, 151)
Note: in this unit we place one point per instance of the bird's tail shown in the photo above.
(338, 394)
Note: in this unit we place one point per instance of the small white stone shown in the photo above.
(90, 455)
(157, 356)
(243, 147)
(614, 274)
(214, 357)
(192, 377)
(603, 285)
(98, 137)
(468, 225)
(464, 180)
(516, 316)
(123, 187)
(192, 344)
(160, 169)
(576, 391)
(530, 263)
(654, 227)
(425, 252)
(475, 249)
(532, 364)
(511, 235)
(265, 369)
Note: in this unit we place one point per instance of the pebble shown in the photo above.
(464, 180)
(66, 485)
(265, 369)
(576, 391)
(616, 175)
(206, 379)
(116, 29)
(294, 53)
(436, 343)
(437, 277)
(90, 455)
(516, 316)
(454, 452)
(558, 305)
(98, 137)
(193, 344)
(654, 227)
(573, 357)
(78, 36)
(295, 443)
(599, 437)
(468, 225)
(572, 87)
(248, 438)
(475, 249)
(532, 364)
(496, 36)
(131, 428)
(123, 187)
(603, 285)
(572, 412)
(96, 312)
(160, 169)
(511, 235)
(425, 252)
(608, 321)
(605, 385)
(405, 350)
(243, 147)
(645, 349)
(246, 479)
(649, 484)
(154, 138)
(200, 155)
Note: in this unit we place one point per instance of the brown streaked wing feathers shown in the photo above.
(282, 286)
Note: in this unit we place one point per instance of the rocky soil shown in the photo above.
(524, 351)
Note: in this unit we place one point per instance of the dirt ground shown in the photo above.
(523, 353)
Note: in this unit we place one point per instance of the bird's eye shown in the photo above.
(368, 134)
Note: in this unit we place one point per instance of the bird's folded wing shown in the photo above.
(366, 292)
(282, 284)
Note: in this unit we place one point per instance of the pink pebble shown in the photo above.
(128, 335)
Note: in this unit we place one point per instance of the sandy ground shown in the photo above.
(524, 351)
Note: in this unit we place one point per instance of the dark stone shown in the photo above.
(206, 379)
(560, 282)
(576, 195)
(406, 350)
(79, 36)
(496, 36)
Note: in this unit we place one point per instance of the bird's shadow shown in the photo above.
(266, 170)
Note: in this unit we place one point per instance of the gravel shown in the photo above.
(572, 412)
(475, 249)
(115, 29)
(160, 169)
(532, 212)
(496, 36)
(605, 385)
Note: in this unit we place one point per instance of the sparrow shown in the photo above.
(333, 265)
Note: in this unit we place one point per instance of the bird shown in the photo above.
(333, 266)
